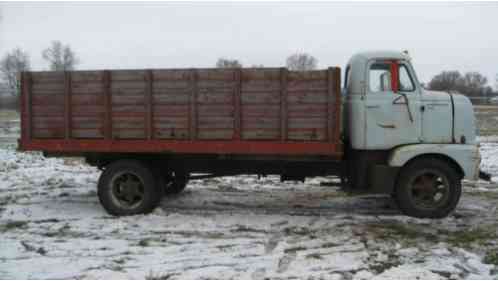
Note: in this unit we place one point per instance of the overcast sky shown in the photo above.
(439, 36)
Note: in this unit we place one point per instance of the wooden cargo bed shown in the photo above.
(206, 111)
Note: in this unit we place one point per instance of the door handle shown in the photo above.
(422, 108)
(373, 106)
(387, 126)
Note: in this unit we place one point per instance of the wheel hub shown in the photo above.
(429, 189)
(128, 189)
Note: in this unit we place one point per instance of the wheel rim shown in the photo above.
(127, 190)
(429, 189)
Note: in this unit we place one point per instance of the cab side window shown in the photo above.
(379, 77)
(405, 80)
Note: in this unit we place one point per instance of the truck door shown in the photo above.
(392, 106)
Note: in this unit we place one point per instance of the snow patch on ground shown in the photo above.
(52, 226)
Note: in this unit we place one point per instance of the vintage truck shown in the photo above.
(150, 131)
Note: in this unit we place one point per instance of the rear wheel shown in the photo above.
(428, 188)
(128, 187)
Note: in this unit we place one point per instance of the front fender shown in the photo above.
(466, 156)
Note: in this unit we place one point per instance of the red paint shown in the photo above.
(194, 147)
(394, 75)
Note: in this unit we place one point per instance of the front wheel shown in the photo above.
(428, 188)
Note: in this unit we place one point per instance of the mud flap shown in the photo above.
(382, 178)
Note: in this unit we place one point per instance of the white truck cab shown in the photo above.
(401, 134)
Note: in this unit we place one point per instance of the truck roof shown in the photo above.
(366, 56)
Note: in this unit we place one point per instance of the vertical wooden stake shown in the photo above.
(24, 103)
(28, 86)
(237, 104)
(283, 104)
(330, 105)
(193, 104)
(107, 105)
(67, 104)
(337, 107)
(148, 104)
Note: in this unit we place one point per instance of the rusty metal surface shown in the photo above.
(263, 105)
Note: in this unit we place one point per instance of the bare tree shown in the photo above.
(228, 63)
(446, 81)
(11, 64)
(474, 84)
(301, 62)
(60, 57)
(496, 83)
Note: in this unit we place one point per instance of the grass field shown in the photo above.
(7, 114)
(487, 119)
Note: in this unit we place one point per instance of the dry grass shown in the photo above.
(8, 114)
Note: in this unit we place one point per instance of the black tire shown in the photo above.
(175, 182)
(128, 187)
(419, 184)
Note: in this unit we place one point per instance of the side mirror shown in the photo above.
(385, 82)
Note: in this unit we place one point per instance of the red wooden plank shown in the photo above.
(28, 84)
(283, 104)
(87, 99)
(23, 105)
(337, 108)
(196, 147)
(260, 110)
(237, 105)
(171, 110)
(67, 104)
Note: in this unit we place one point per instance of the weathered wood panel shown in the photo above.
(171, 122)
(87, 110)
(128, 133)
(172, 134)
(43, 133)
(48, 87)
(88, 99)
(260, 134)
(82, 87)
(270, 97)
(47, 77)
(87, 76)
(268, 110)
(48, 99)
(260, 104)
(87, 133)
(211, 134)
(307, 135)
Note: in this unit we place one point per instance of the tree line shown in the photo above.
(60, 57)
(472, 84)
